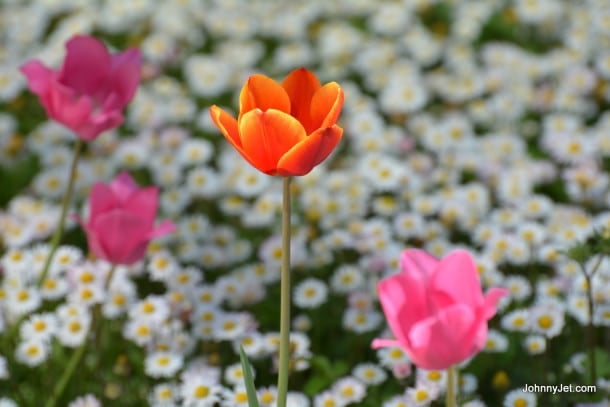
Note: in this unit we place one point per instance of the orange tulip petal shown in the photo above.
(300, 86)
(326, 105)
(226, 123)
(310, 152)
(228, 127)
(262, 92)
(267, 136)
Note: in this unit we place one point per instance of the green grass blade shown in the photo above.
(248, 379)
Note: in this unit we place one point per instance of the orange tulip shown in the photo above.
(284, 129)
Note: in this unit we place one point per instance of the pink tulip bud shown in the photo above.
(436, 308)
(122, 220)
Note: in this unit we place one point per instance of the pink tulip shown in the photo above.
(122, 220)
(88, 93)
(436, 308)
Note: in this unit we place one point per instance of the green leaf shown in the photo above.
(325, 373)
(602, 363)
(322, 366)
(340, 368)
(579, 252)
(315, 385)
(248, 379)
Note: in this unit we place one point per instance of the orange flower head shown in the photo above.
(284, 129)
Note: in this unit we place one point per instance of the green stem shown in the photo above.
(98, 322)
(452, 380)
(64, 211)
(591, 332)
(284, 365)
(590, 327)
(79, 353)
(55, 240)
(109, 278)
(67, 374)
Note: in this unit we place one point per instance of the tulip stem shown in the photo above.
(77, 356)
(284, 357)
(452, 380)
(65, 203)
(75, 359)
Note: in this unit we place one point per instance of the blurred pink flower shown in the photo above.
(122, 220)
(436, 308)
(401, 370)
(88, 93)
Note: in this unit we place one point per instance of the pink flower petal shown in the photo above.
(38, 76)
(418, 263)
(124, 78)
(385, 343)
(121, 235)
(164, 228)
(457, 280)
(393, 300)
(65, 106)
(144, 203)
(86, 68)
(123, 186)
(101, 200)
(491, 301)
(444, 340)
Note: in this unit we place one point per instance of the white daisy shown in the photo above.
(163, 395)
(346, 278)
(234, 375)
(310, 293)
(231, 325)
(32, 352)
(361, 321)
(199, 391)
(23, 300)
(236, 397)
(203, 182)
(518, 398)
(195, 152)
(369, 373)
(421, 395)
(88, 400)
(516, 320)
(162, 364)
(73, 330)
(534, 344)
(139, 331)
(267, 396)
(328, 398)
(547, 320)
(496, 342)
(39, 326)
(153, 308)
(391, 356)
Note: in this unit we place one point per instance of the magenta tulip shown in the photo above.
(436, 308)
(89, 92)
(122, 220)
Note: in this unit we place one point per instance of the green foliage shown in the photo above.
(602, 362)
(248, 378)
(324, 373)
(580, 252)
(16, 177)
